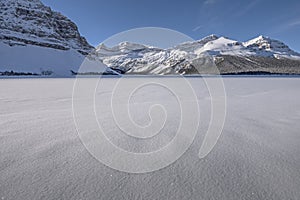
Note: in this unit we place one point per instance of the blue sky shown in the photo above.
(237, 19)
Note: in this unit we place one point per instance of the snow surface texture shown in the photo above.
(256, 157)
(37, 59)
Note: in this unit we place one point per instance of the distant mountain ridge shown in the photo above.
(261, 54)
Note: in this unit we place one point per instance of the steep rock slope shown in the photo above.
(31, 22)
(35, 39)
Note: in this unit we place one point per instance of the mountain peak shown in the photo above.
(208, 38)
(267, 44)
(130, 44)
(24, 22)
(22, 2)
(263, 37)
(212, 36)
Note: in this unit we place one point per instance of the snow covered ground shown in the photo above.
(256, 157)
(35, 59)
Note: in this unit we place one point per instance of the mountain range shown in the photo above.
(35, 40)
(259, 55)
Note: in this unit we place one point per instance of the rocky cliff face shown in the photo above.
(25, 22)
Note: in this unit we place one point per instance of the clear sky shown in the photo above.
(98, 20)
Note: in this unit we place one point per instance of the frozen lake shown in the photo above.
(256, 157)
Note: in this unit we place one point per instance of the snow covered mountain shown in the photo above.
(35, 39)
(260, 55)
(41, 26)
(273, 47)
